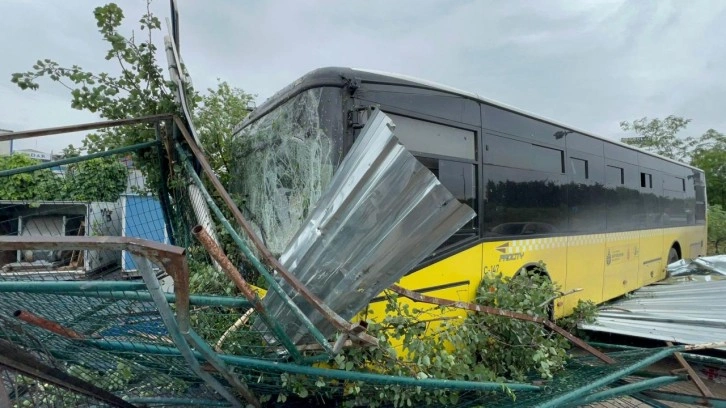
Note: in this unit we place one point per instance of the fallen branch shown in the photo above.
(559, 295)
(239, 323)
(504, 313)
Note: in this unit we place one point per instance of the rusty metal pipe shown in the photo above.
(233, 273)
(46, 324)
(229, 269)
(85, 126)
(181, 291)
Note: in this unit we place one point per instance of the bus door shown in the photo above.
(624, 220)
(651, 264)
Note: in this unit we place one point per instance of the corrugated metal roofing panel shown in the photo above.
(689, 312)
(382, 214)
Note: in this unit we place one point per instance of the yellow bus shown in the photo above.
(602, 216)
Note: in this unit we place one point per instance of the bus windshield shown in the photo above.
(284, 160)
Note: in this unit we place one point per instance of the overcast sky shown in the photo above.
(589, 64)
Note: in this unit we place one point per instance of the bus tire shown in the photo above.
(673, 255)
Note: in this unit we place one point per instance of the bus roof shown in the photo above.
(340, 77)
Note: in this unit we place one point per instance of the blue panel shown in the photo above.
(143, 219)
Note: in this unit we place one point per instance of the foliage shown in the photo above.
(530, 347)
(661, 136)
(475, 347)
(95, 180)
(38, 185)
(206, 279)
(717, 227)
(135, 86)
(220, 111)
(92, 180)
(120, 378)
(138, 88)
(713, 162)
(707, 152)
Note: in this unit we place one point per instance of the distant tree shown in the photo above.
(140, 88)
(713, 163)
(707, 152)
(716, 228)
(92, 180)
(36, 186)
(661, 136)
(71, 151)
(221, 109)
(95, 180)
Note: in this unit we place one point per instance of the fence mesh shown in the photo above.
(23, 391)
(100, 324)
(105, 196)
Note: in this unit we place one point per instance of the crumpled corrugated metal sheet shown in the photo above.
(382, 214)
(703, 268)
(683, 311)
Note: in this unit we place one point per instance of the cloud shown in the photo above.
(590, 64)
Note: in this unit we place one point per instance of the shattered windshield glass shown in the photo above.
(284, 161)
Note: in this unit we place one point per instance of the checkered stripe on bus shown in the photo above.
(538, 244)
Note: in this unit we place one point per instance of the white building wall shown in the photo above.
(6, 147)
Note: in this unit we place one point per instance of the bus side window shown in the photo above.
(450, 153)
(460, 179)
(699, 186)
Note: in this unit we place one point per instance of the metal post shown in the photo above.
(194, 300)
(152, 283)
(84, 126)
(313, 372)
(163, 191)
(43, 323)
(685, 399)
(114, 290)
(628, 389)
(61, 287)
(72, 160)
(702, 388)
(173, 402)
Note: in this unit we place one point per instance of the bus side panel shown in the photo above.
(696, 242)
(456, 278)
(585, 265)
(692, 240)
(651, 265)
(509, 257)
(621, 264)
